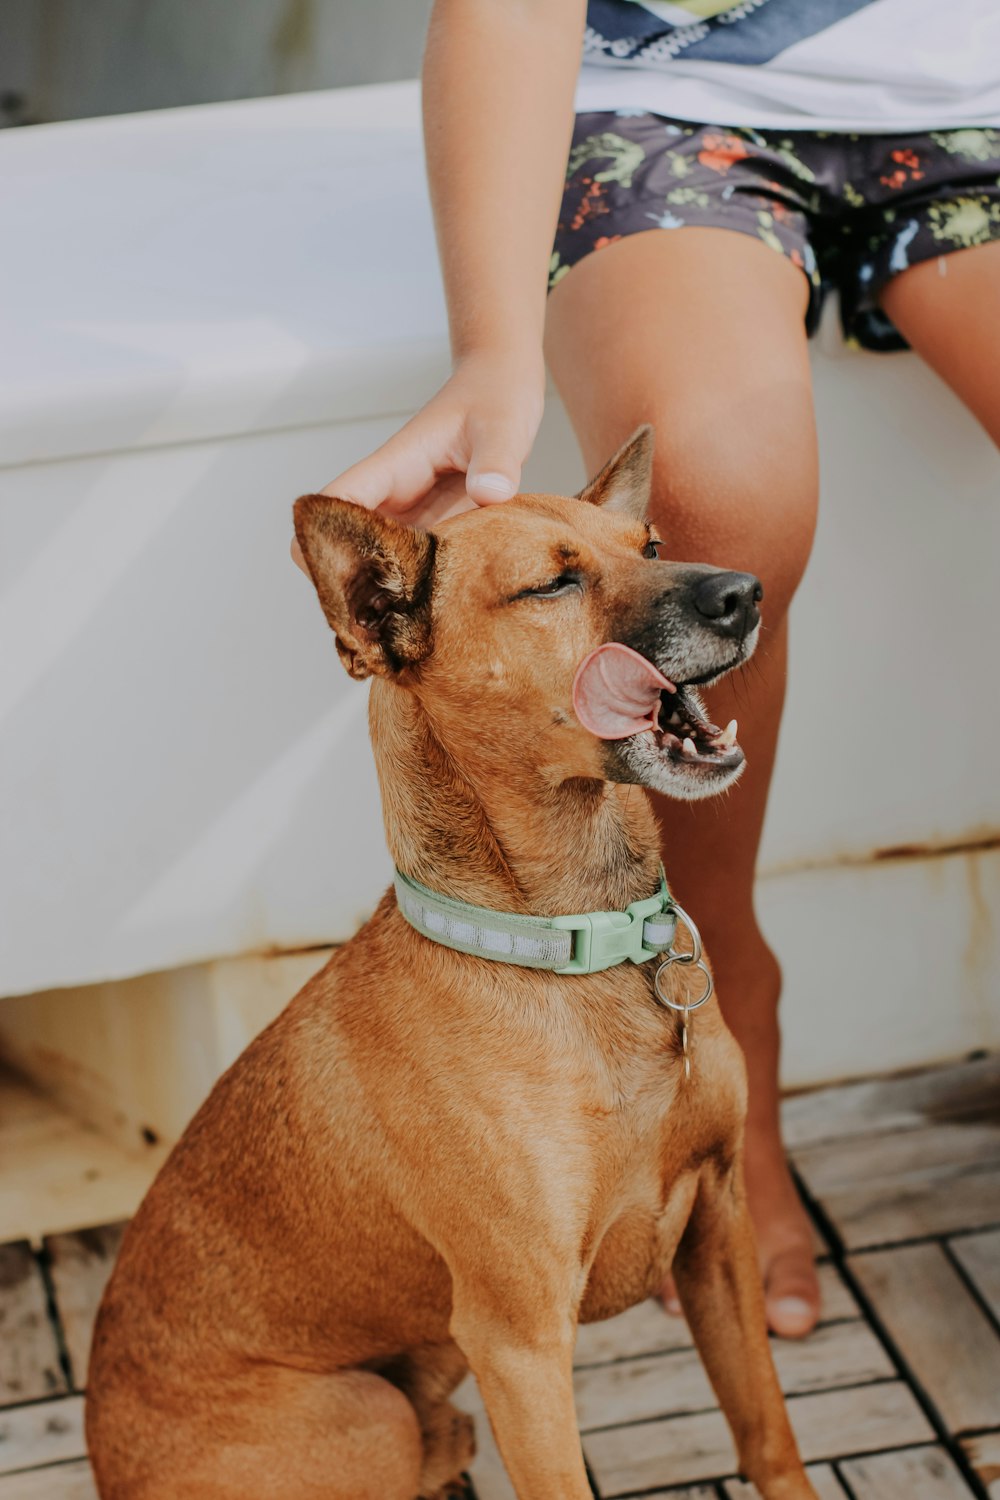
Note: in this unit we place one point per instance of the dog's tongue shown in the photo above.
(616, 692)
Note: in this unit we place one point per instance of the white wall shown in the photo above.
(70, 59)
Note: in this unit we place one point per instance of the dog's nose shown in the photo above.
(729, 602)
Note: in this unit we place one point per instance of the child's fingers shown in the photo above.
(298, 557)
(491, 483)
(494, 471)
(462, 441)
(395, 475)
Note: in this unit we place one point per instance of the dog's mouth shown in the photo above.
(657, 725)
(688, 739)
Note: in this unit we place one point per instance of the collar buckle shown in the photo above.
(605, 938)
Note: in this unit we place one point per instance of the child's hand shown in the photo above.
(464, 448)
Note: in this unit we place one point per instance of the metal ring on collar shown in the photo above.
(687, 1006)
(694, 957)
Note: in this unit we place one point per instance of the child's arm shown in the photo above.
(498, 114)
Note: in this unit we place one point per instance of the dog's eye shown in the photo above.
(553, 588)
(650, 548)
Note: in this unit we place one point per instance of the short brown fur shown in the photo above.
(430, 1161)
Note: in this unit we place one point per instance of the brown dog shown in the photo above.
(432, 1161)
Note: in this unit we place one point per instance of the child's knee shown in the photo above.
(758, 518)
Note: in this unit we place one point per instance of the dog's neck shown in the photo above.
(501, 835)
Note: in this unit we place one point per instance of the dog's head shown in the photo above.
(545, 631)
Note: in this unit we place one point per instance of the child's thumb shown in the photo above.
(491, 475)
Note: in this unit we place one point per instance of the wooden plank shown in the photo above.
(824, 1482)
(896, 1156)
(45, 1433)
(837, 1298)
(58, 1173)
(979, 1257)
(695, 1492)
(636, 1390)
(29, 1353)
(963, 1091)
(644, 1329)
(72, 1481)
(926, 1204)
(835, 1354)
(80, 1264)
(647, 1329)
(692, 1449)
(942, 1333)
(983, 1453)
(914, 1474)
(935, 1178)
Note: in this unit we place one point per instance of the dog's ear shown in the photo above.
(373, 577)
(624, 483)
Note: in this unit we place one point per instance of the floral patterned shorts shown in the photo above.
(851, 210)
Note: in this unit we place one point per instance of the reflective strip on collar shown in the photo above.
(473, 932)
(582, 944)
(658, 932)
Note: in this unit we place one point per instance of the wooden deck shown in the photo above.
(897, 1394)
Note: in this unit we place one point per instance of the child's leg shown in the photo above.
(949, 310)
(700, 331)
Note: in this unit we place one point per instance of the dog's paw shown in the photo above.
(458, 1489)
(449, 1448)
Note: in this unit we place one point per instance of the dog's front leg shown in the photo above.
(522, 1358)
(715, 1268)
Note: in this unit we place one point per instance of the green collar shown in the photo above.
(582, 944)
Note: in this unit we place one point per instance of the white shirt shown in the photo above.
(846, 65)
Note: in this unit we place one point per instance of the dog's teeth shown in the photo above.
(675, 717)
(727, 739)
(688, 747)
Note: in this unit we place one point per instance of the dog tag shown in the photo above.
(685, 1008)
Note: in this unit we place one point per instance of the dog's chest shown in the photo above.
(667, 1136)
(638, 1226)
(635, 1255)
(660, 1154)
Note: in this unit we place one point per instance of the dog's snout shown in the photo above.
(728, 601)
